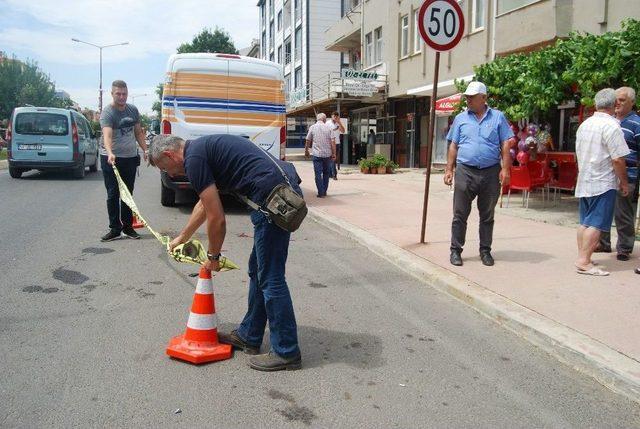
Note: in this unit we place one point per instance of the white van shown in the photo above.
(208, 94)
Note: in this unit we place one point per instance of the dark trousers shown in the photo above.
(321, 170)
(333, 169)
(470, 183)
(120, 215)
(269, 296)
(625, 224)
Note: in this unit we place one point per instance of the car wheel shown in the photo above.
(167, 196)
(16, 173)
(94, 167)
(79, 171)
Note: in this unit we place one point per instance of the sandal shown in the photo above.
(593, 271)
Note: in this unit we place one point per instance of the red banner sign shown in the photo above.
(448, 104)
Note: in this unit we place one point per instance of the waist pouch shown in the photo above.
(285, 207)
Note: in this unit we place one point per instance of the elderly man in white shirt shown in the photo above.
(600, 149)
(323, 149)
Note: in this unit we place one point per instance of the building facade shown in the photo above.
(383, 36)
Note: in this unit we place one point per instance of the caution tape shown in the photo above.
(192, 252)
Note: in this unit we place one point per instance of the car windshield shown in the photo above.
(39, 123)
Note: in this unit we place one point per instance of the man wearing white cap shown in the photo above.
(479, 140)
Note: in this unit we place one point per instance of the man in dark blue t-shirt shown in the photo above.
(234, 164)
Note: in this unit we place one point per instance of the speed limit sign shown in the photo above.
(441, 23)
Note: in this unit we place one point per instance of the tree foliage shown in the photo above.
(210, 41)
(529, 85)
(24, 83)
(157, 105)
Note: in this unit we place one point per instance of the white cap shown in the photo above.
(476, 87)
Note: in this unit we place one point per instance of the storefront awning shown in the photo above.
(447, 105)
(445, 86)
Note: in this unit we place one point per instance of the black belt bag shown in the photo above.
(284, 206)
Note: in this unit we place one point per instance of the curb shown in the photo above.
(607, 366)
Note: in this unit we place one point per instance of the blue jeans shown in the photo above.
(120, 215)
(269, 297)
(321, 170)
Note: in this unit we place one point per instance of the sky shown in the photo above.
(41, 30)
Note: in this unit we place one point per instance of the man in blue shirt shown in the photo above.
(624, 212)
(479, 141)
(234, 164)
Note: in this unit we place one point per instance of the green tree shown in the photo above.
(530, 85)
(157, 105)
(24, 83)
(210, 41)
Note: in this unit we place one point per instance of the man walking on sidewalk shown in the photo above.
(479, 140)
(120, 122)
(323, 150)
(600, 150)
(624, 213)
(336, 129)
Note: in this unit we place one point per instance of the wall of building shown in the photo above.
(322, 14)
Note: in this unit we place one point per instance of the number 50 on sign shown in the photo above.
(441, 24)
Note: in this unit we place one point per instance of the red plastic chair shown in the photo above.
(567, 177)
(541, 175)
(521, 180)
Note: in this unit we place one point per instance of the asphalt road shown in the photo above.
(84, 326)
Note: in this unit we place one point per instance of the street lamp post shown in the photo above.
(101, 47)
(133, 97)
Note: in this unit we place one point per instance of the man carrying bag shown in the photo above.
(236, 165)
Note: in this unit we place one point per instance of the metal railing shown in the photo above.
(332, 86)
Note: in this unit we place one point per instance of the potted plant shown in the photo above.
(379, 162)
(364, 166)
(391, 166)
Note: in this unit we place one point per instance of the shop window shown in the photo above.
(404, 36)
(477, 14)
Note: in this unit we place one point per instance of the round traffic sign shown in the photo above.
(441, 23)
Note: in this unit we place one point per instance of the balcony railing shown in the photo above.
(332, 86)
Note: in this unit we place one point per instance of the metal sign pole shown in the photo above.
(432, 120)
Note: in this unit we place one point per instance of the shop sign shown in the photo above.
(359, 89)
(361, 76)
(448, 104)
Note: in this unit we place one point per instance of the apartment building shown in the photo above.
(383, 36)
(292, 34)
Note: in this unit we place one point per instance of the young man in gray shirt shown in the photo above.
(121, 129)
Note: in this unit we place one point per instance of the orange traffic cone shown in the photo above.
(136, 222)
(199, 344)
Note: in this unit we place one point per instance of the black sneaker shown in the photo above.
(272, 362)
(111, 235)
(234, 339)
(455, 258)
(486, 258)
(131, 233)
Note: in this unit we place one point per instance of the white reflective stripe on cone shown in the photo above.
(204, 287)
(202, 321)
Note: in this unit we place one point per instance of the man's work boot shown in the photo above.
(486, 258)
(272, 362)
(455, 258)
(234, 339)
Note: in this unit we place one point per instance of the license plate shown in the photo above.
(29, 147)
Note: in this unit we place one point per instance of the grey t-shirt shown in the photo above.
(123, 124)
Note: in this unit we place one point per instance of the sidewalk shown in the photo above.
(587, 322)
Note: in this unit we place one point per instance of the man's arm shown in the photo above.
(139, 132)
(197, 218)
(620, 168)
(505, 172)
(107, 138)
(452, 154)
(216, 223)
(340, 126)
(307, 144)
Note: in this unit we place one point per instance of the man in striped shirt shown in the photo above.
(323, 149)
(601, 151)
(624, 212)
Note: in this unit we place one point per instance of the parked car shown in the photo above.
(47, 138)
(208, 94)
